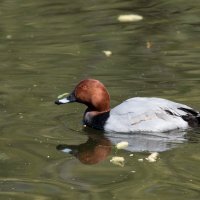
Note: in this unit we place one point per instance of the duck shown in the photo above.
(134, 115)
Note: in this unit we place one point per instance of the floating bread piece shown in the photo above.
(8, 37)
(149, 44)
(152, 157)
(116, 160)
(107, 53)
(129, 18)
(122, 145)
(62, 95)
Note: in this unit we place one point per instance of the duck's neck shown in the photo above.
(96, 119)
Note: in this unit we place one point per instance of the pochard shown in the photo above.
(138, 114)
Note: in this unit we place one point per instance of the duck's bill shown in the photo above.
(64, 100)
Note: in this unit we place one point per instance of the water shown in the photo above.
(46, 48)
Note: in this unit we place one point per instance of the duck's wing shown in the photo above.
(151, 114)
(140, 105)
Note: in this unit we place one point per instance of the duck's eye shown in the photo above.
(84, 87)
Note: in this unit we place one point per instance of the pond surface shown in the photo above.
(47, 47)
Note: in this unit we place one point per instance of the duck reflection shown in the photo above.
(149, 142)
(94, 150)
(99, 145)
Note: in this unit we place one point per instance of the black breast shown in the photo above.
(98, 121)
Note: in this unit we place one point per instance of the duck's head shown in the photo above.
(90, 92)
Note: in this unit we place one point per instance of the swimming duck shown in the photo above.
(138, 114)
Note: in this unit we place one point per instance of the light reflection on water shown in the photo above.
(46, 48)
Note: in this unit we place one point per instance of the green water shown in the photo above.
(46, 48)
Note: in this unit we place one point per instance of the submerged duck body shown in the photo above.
(137, 114)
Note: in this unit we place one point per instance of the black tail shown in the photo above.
(191, 116)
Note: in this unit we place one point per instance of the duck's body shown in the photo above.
(149, 115)
(133, 115)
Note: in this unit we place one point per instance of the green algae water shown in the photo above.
(46, 48)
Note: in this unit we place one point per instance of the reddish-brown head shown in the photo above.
(90, 92)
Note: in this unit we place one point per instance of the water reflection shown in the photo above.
(150, 142)
(98, 145)
(94, 150)
(46, 46)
